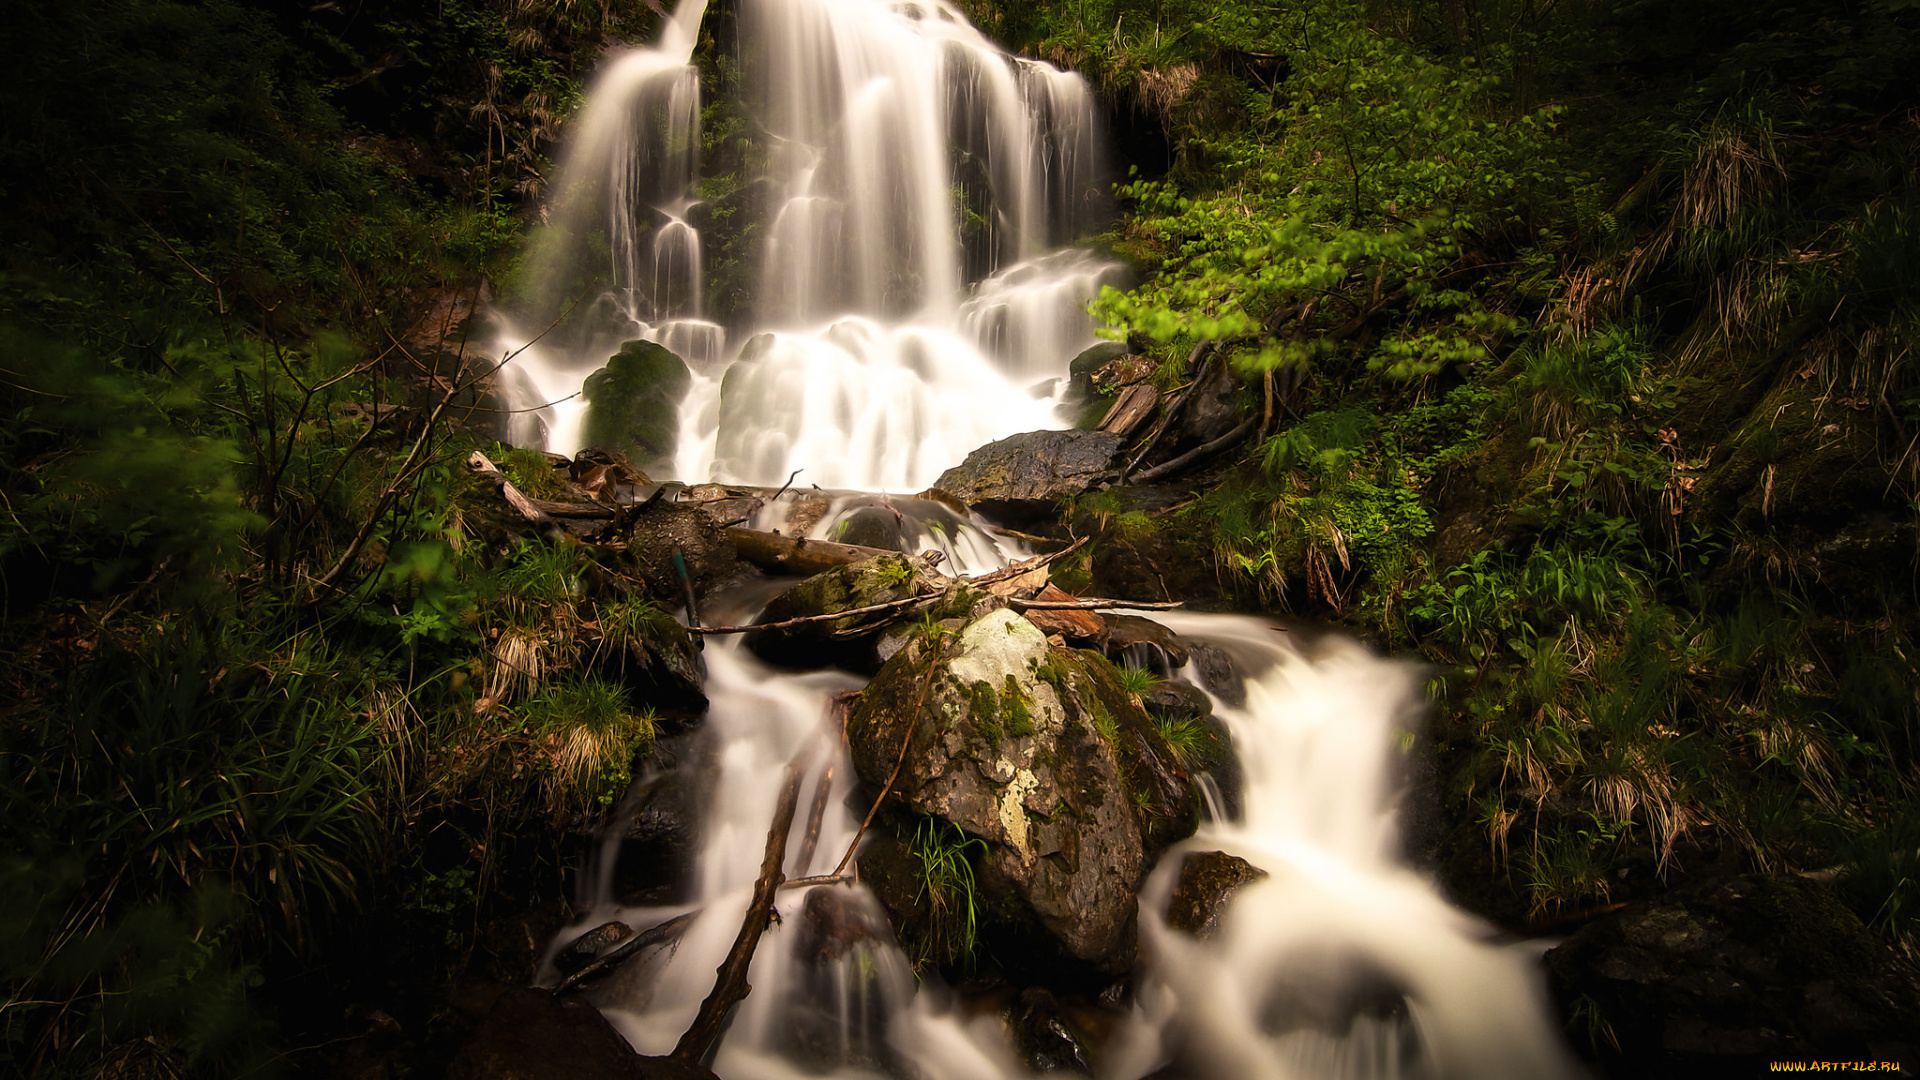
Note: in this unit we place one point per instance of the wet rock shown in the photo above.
(581, 950)
(853, 642)
(1177, 700)
(1218, 673)
(1022, 477)
(806, 512)
(840, 1004)
(874, 527)
(662, 665)
(1005, 743)
(531, 1035)
(1132, 639)
(1208, 880)
(657, 850)
(660, 531)
(1091, 359)
(1730, 973)
(633, 403)
(1042, 1037)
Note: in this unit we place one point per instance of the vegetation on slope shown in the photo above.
(1581, 335)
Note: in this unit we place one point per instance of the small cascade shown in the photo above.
(1343, 963)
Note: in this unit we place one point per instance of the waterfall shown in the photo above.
(913, 297)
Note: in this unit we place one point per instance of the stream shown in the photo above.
(918, 296)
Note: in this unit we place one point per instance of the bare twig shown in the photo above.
(1034, 563)
(606, 961)
(891, 605)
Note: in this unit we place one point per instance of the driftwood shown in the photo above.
(1173, 411)
(791, 555)
(730, 982)
(1196, 454)
(612, 958)
(1094, 604)
(526, 507)
(1130, 410)
(891, 605)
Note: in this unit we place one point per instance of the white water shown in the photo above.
(1344, 964)
(913, 302)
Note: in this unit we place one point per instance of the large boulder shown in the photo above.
(532, 1035)
(1004, 738)
(1731, 973)
(1025, 476)
(633, 403)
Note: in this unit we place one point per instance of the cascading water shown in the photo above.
(914, 303)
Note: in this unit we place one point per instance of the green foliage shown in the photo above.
(591, 735)
(1137, 681)
(947, 885)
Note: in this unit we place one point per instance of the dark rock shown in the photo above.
(1132, 639)
(874, 527)
(1043, 1038)
(1731, 973)
(1091, 359)
(1024, 476)
(1207, 882)
(661, 665)
(841, 642)
(838, 1010)
(1004, 744)
(1209, 411)
(633, 404)
(661, 840)
(1177, 700)
(1218, 674)
(581, 950)
(664, 529)
(531, 1035)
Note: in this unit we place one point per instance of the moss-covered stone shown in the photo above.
(1000, 752)
(633, 403)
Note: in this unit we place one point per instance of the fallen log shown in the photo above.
(1196, 454)
(482, 464)
(795, 555)
(730, 982)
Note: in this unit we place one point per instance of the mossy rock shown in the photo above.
(633, 403)
(1001, 740)
(838, 642)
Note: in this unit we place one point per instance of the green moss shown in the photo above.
(983, 712)
(1019, 715)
